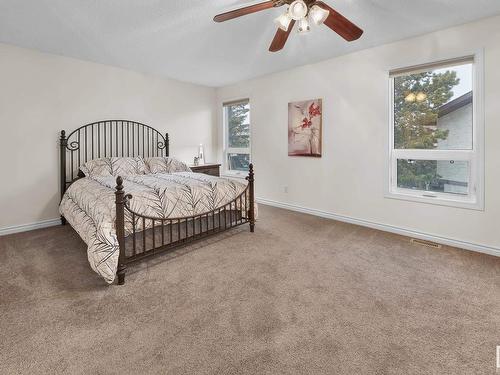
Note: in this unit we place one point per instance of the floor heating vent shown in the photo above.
(433, 245)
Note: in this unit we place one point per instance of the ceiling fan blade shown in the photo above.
(341, 25)
(244, 11)
(280, 38)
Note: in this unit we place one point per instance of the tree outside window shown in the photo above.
(237, 127)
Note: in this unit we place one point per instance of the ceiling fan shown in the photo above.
(302, 11)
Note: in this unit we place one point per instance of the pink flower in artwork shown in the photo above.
(314, 111)
(306, 123)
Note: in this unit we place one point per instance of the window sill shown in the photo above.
(437, 199)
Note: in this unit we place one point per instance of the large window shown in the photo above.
(237, 137)
(435, 151)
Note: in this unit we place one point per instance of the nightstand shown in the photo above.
(207, 168)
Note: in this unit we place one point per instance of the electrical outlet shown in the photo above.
(285, 189)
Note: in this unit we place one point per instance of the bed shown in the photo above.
(128, 199)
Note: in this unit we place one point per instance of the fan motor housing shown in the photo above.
(278, 3)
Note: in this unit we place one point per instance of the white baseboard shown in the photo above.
(387, 228)
(31, 226)
(311, 211)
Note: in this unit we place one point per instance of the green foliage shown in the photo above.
(417, 174)
(238, 128)
(415, 123)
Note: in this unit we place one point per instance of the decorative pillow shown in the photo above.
(114, 166)
(98, 168)
(128, 166)
(165, 165)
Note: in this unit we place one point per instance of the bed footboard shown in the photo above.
(140, 236)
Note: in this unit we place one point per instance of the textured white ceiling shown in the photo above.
(178, 39)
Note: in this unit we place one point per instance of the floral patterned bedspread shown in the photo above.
(89, 206)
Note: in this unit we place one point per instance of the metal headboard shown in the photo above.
(105, 139)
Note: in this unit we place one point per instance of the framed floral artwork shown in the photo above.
(304, 128)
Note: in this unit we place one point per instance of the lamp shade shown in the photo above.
(318, 15)
(297, 10)
(283, 21)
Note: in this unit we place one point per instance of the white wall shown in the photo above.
(349, 179)
(40, 94)
(458, 124)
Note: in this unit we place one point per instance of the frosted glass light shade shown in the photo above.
(283, 21)
(318, 15)
(303, 26)
(297, 10)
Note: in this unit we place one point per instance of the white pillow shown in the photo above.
(114, 166)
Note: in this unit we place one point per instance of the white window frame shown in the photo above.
(234, 150)
(475, 157)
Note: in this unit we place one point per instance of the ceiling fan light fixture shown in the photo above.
(304, 26)
(304, 13)
(297, 10)
(283, 21)
(318, 15)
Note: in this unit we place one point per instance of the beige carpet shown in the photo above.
(302, 295)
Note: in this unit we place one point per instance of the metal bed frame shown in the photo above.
(140, 237)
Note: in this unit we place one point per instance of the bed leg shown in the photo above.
(122, 270)
(251, 211)
(63, 144)
(63, 220)
(120, 230)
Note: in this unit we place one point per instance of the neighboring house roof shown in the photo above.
(455, 104)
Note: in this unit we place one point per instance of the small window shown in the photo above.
(435, 154)
(237, 137)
